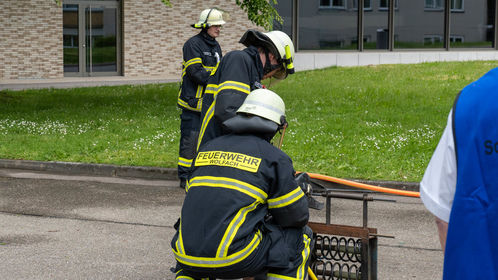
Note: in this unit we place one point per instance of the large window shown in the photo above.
(327, 29)
(417, 24)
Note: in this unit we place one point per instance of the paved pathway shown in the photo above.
(79, 226)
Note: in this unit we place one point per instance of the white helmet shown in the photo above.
(266, 104)
(209, 17)
(278, 43)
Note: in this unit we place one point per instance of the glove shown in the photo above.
(304, 182)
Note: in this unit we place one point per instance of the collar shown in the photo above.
(208, 39)
(253, 52)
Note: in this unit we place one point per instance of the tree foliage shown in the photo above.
(260, 12)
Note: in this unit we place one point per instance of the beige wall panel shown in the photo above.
(154, 34)
(30, 39)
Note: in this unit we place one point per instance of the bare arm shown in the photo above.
(442, 228)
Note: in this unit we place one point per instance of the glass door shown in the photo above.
(91, 38)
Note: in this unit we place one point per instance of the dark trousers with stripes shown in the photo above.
(189, 132)
(266, 260)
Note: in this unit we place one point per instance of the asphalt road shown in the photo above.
(94, 227)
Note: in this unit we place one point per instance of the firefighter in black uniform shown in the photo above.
(244, 213)
(201, 55)
(240, 72)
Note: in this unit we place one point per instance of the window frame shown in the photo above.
(382, 8)
(331, 6)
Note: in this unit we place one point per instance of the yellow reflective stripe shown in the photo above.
(233, 228)
(238, 86)
(285, 200)
(273, 276)
(211, 89)
(184, 277)
(229, 183)
(185, 105)
(198, 94)
(221, 262)
(192, 61)
(215, 68)
(234, 85)
(184, 162)
(304, 254)
(205, 122)
(179, 241)
(215, 89)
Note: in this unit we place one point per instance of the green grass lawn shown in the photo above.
(376, 122)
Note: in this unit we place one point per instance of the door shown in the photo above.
(91, 33)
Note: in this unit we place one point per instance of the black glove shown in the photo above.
(304, 182)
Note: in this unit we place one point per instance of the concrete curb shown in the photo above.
(146, 172)
(91, 169)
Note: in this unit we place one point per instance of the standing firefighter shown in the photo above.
(240, 72)
(201, 55)
(244, 213)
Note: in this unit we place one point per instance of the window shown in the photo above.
(384, 5)
(457, 5)
(434, 4)
(367, 5)
(336, 4)
(456, 39)
(432, 39)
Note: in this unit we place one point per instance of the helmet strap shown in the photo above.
(268, 67)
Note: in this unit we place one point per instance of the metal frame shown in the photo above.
(82, 6)
(368, 236)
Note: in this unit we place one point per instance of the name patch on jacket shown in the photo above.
(235, 160)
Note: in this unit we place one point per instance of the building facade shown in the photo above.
(143, 38)
(82, 38)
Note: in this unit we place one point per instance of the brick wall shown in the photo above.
(154, 33)
(153, 36)
(30, 39)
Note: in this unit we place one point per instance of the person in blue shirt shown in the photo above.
(460, 185)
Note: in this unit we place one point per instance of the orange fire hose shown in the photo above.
(363, 186)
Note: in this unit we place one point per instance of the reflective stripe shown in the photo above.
(210, 88)
(264, 105)
(215, 89)
(221, 262)
(229, 183)
(233, 228)
(304, 254)
(205, 122)
(184, 162)
(285, 200)
(192, 61)
(184, 104)
(272, 276)
(179, 241)
(198, 93)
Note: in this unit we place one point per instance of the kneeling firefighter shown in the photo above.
(244, 214)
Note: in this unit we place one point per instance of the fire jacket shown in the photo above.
(472, 244)
(201, 55)
(236, 181)
(237, 75)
